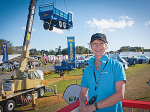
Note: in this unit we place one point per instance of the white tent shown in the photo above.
(118, 58)
(9, 57)
(131, 54)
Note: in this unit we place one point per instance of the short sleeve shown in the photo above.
(84, 82)
(119, 73)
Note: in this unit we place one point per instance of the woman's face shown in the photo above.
(98, 47)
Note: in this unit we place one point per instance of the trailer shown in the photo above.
(53, 17)
(63, 67)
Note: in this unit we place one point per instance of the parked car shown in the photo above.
(144, 58)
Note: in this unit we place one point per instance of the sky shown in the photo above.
(124, 22)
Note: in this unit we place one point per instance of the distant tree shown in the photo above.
(133, 49)
(64, 51)
(124, 49)
(111, 52)
(41, 52)
(17, 49)
(34, 52)
(9, 45)
(77, 50)
(51, 52)
(58, 50)
(81, 50)
(46, 52)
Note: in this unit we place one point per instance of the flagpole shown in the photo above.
(75, 61)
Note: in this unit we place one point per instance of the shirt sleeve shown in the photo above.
(119, 73)
(84, 82)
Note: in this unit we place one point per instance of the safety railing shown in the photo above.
(130, 104)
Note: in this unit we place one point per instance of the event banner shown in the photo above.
(5, 52)
(71, 49)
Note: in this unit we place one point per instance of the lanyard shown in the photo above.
(99, 75)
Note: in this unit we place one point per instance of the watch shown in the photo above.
(95, 105)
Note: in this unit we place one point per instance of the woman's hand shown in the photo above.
(86, 108)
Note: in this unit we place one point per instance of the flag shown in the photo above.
(5, 52)
(71, 49)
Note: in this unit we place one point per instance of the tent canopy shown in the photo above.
(16, 58)
(118, 58)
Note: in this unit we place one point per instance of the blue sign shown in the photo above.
(5, 52)
(71, 49)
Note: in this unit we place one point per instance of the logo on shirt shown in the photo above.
(106, 72)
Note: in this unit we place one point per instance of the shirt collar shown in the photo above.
(92, 59)
(104, 58)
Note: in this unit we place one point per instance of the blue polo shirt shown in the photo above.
(113, 72)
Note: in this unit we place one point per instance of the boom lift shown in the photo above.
(25, 82)
(31, 81)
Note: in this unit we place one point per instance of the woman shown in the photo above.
(104, 80)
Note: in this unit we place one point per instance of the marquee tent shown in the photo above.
(16, 58)
(131, 54)
(118, 58)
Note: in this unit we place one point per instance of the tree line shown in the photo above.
(132, 49)
(34, 51)
(59, 51)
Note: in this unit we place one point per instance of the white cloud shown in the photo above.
(111, 30)
(24, 28)
(57, 31)
(124, 17)
(34, 30)
(147, 23)
(110, 25)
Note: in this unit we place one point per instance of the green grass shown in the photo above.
(70, 73)
(74, 72)
(54, 75)
(137, 67)
(61, 86)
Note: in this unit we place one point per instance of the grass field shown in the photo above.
(137, 88)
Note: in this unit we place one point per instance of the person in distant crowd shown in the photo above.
(55, 62)
(10, 68)
(15, 67)
(83, 68)
(104, 79)
(3, 69)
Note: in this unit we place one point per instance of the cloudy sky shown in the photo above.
(124, 22)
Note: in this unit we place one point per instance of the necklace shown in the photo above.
(97, 69)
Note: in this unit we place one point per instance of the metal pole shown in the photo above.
(55, 89)
(33, 101)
